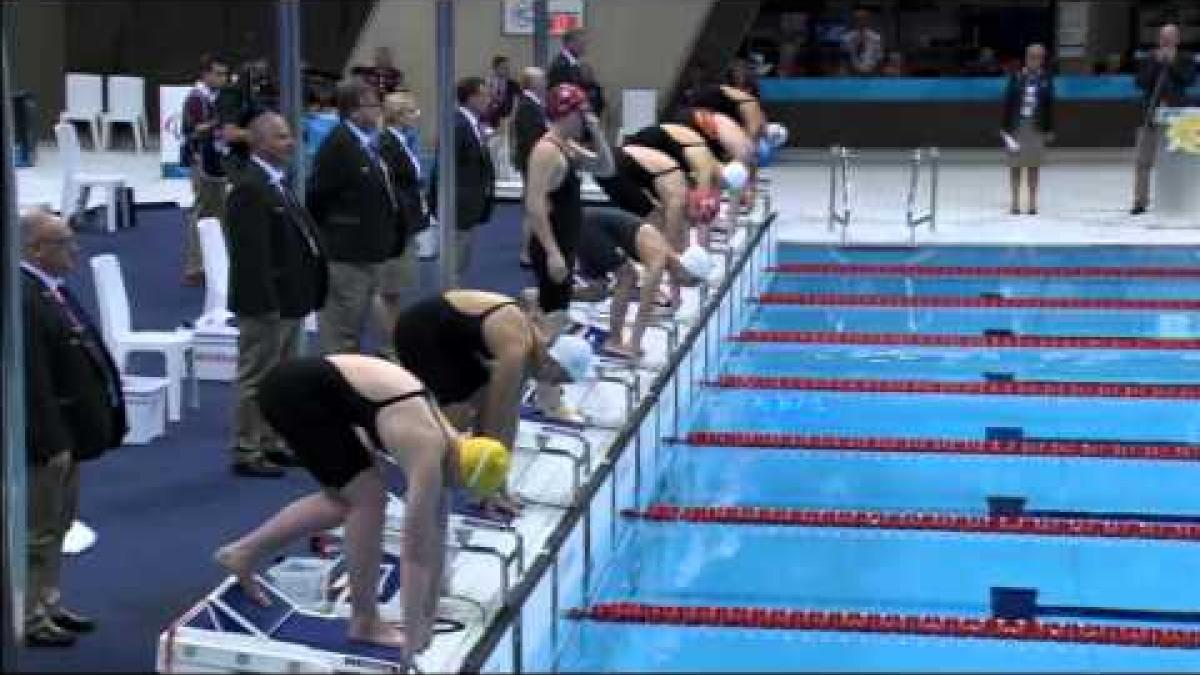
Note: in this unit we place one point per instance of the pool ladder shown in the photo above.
(841, 194)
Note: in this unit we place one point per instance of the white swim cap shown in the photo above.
(776, 134)
(697, 262)
(735, 175)
(574, 354)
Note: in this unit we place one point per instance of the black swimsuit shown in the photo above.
(444, 347)
(713, 97)
(566, 220)
(687, 118)
(609, 239)
(658, 138)
(309, 402)
(631, 185)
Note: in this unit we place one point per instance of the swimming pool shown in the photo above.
(876, 505)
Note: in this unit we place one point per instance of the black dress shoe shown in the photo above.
(46, 634)
(70, 621)
(281, 457)
(257, 467)
(1137, 210)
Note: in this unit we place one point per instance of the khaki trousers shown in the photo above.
(53, 505)
(263, 343)
(340, 323)
(209, 202)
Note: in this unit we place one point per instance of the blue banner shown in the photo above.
(921, 89)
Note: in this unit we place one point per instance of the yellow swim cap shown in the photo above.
(482, 464)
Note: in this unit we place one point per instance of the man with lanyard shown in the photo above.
(202, 151)
(529, 123)
(568, 67)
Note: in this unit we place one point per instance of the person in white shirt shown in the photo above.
(863, 45)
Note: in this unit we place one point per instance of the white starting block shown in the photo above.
(228, 632)
(145, 408)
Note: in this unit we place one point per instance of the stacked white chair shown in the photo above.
(126, 105)
(77, 183)
(85, 102)
(176, 346)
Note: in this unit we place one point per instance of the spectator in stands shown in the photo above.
(202, 151)
(277, 276)
(742, 77)
(863, 46)
(1164, 77)
(398, 278)
(985, 65)
(353, 200)
(1028, 123)
(74, 411)
(568, 66)
(475, 176)
(384, 77)
(529, 123)
(894, 65)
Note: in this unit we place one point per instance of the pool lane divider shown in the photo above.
(995, 386)
(991, 301)
(1047, 272)
(921, 521)
(1022, 603)
(1005, 505)
(994, 340)
(1028, 447)
(902, 624)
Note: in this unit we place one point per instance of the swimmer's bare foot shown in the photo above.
(240, 567)
(618, 350)
(376, 632)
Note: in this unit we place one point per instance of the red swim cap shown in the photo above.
(565, 99)
(703, 205)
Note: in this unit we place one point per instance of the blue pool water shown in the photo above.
(908, 572)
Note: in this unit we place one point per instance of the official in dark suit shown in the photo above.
(529, 123)
(398, 277)
(1029, 123)
(1163, 78)
(74, 412)
(568, 67)
(352, 198)
(475, 177)
(277, 276)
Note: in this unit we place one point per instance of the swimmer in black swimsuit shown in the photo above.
(613, 240)
(339, 413)
(552, 200)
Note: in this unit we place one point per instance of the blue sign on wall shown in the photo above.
(930, 89)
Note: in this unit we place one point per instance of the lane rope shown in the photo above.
(926, 521)
(984, 388)
(986, 271)
(871, 622)
(949, 446)
(951, 340)
(967, 301)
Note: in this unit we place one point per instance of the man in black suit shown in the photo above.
(399, 274)
(74, 412)
(353, 200)
(475, 176)
(569, 67)
(1164, 77)
(529, 123)
(277, 276)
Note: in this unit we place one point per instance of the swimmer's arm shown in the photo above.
(424, 539)
(501, 410)
(597, 161)
(546, 173)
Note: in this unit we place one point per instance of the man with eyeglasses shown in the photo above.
(75, 411)
(353, 199)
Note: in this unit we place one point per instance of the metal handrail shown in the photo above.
(509, 614)
(921, 157)
(839, 188)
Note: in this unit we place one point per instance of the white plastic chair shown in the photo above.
(85, 102)
(176, 346)
(216, 273)
(76, 183)
(126, 105)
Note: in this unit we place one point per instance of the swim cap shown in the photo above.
(574, 354)
(483, 465)
(705, 122)
(766, 152)
(776, 134)
(565, 99)
(697, 262)
(735, 175)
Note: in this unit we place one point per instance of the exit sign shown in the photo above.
(564, 15)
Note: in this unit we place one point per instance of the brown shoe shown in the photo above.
(193, 278)
(45, 634)
(71, 621)
(256, 466)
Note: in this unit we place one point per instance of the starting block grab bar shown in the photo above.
(921, 161)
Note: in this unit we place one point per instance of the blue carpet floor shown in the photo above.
(161, 508)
